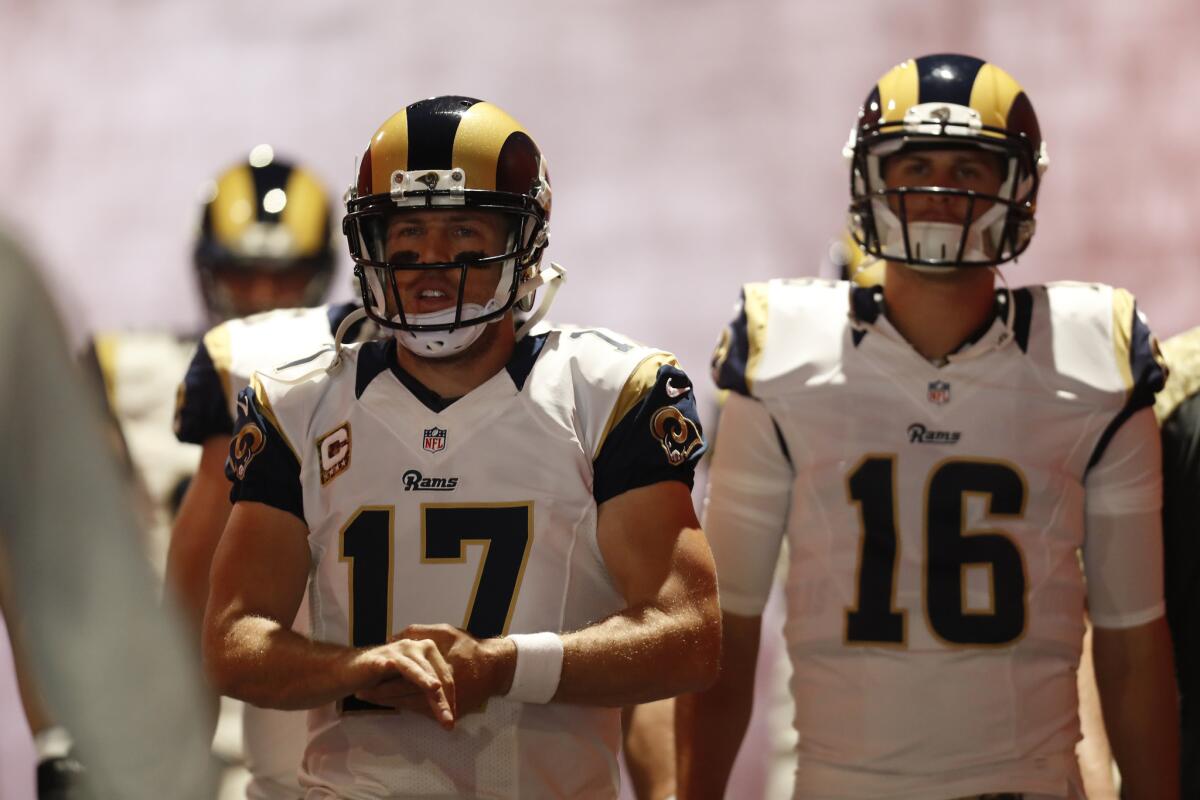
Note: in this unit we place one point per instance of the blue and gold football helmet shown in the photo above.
(945, 101)
(265, 238)
(439, 155)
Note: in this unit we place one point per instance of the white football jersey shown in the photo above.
(480, 513)
(934, 516)
(140, 371)
(272, 741)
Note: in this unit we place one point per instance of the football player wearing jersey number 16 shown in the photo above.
(493, 517)
(937, 452)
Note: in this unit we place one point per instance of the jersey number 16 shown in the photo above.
(949, 550)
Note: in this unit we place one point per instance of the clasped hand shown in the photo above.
(439, 671)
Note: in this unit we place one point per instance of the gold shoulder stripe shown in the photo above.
(639, 382)
(899, 90)
(1122, 331)
(481, 134)
(1182, 354)
(756, 306)
(264, 403)
(220, 352)
(106, 345)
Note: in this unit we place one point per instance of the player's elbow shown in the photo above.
(217, 666)
(703, 655)
(222, 666)
(710, 649)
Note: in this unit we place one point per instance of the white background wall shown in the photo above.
(694, 145)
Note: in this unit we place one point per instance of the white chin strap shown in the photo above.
(552, 278)
(439, 344)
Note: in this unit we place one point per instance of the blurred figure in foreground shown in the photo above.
(111, 663)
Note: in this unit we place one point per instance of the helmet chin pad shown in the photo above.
(932, 242)
(440, 344)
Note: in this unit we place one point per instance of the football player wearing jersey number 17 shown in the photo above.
(494, 521)
(937, 452)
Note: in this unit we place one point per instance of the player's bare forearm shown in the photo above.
(639, 655)
(257, 660)
(1092, 751)
(650, 748)
(259, 574)
(710, 725)
(667, 640)
(1135, 676)
(197, 530)
(648, 652)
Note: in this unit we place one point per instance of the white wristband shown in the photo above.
(538, 668)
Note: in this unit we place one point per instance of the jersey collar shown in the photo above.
(1009, 322)
(379, 355)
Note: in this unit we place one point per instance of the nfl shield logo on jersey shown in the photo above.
(434, 440)
(939, 393)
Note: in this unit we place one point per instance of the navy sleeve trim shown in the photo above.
(201, 412)
(1145, 365)
(732, 355)
(659, 439)
(261, 463)
(1148, 379)
(1022, 317)
(1181, 545)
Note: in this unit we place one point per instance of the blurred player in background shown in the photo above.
(235, 281)
(936, 451)
(109, 658)
(264, 262)
(263, 242)
(1178, 410)
(847, 262)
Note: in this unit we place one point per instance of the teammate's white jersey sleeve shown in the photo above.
(1122, 551)
(140, 371)
(746, 509)
(234, 350)
(272, 740)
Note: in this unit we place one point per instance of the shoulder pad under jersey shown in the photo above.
(606, 373)
(781, 328)
(1096, 343)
